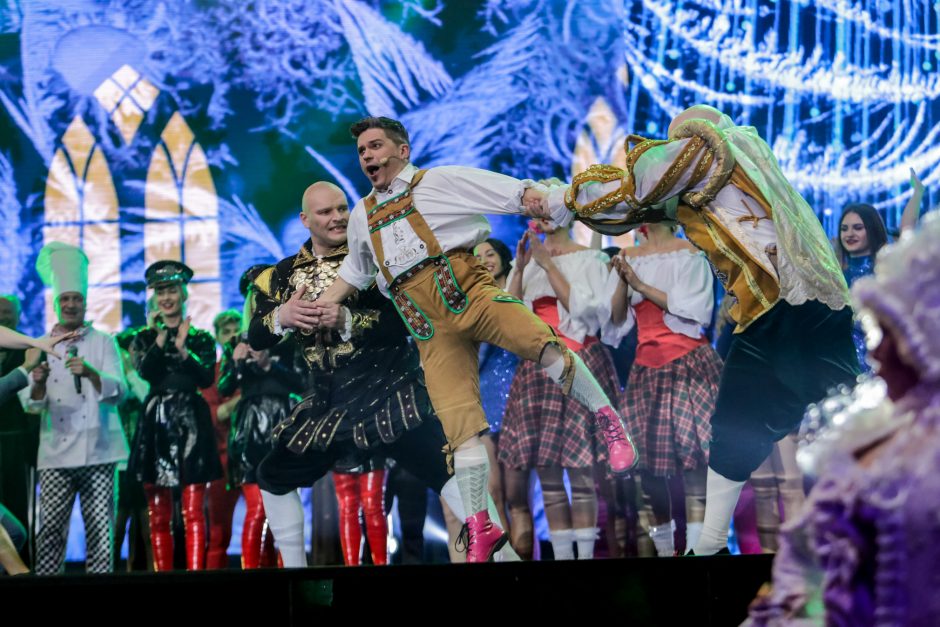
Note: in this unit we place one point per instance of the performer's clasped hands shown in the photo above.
(298, 313)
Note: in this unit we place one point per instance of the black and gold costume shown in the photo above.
(367, 392)
(174, 444)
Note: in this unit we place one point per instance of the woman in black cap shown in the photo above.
(267, 379)
(175, 446)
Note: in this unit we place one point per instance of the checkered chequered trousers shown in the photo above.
(58, 487)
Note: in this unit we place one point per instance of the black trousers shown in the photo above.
(790, 357)
(419, 451)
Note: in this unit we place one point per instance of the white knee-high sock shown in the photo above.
(450, 492)
(584, 388)
(585, 538)
(285, 515)
(721, 496)
(471, 468)
(562, 544)
(693, 530)
(663, 537)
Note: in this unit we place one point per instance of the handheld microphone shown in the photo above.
(73, 352)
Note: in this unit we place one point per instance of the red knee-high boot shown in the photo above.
(160, 512)
(372, 489)
(350, 531)
(221, 505)
(194, 519)
(254, 528)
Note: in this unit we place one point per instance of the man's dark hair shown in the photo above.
(393, 128)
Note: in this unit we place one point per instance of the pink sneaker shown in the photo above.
(481, 538)
(622, 453)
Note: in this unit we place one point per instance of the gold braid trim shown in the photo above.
(717, 143)
(608, 174)
(268, 321)
(674, 172)
(749, 278)
(701, 169)
(595, 174)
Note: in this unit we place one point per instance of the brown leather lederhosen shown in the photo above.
(450, 304)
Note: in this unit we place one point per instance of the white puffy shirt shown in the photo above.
(685, 277)
(588, 301)
(453, 200)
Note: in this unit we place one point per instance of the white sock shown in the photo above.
(585, 539)
(663, 538)
(285, 515)
(450, 492)
(692, 532)
(721, 496)
(585, 389)
(562, 544)
(471, 468)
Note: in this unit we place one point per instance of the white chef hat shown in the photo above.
(64, 268)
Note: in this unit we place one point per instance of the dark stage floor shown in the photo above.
(681, 591)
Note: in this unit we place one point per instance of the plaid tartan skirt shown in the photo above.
(667, 411)
(543, 427)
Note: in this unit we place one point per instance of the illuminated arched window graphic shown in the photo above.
(81, 208)
(182, 216)
(126, 96)
(601, 142)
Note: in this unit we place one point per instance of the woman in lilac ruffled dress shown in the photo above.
(866, 547)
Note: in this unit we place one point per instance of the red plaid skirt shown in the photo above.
(667, 411)
(543, 427)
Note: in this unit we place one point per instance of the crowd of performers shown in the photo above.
(401, 337)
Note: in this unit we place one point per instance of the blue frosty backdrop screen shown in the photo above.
(145, 129)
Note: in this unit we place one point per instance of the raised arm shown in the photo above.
(14, 340)
(912, 208)
(611, 200)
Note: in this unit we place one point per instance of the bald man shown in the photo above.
(367, 395)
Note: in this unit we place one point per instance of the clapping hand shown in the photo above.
(181, 334)
(523, 254)
(538, 251)
(626, 272)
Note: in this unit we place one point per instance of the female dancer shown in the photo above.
(862, 234)
(563, 282)
(664, 287)
(175, 444)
